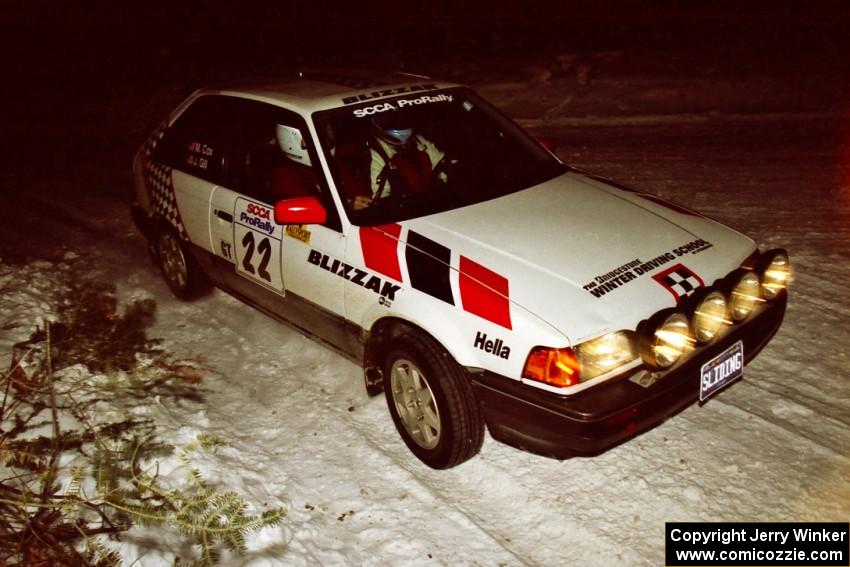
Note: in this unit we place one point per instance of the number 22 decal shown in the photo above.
(256, 245)
(264, 248)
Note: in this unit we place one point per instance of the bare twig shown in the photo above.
(56, 441)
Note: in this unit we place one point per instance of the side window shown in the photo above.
(196, 143)
(274, 158)
(262, 151)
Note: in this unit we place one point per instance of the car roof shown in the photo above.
(311, 91)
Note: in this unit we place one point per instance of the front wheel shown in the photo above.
(431, 403)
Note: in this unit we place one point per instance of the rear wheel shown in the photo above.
(431, 403)
(178, 268)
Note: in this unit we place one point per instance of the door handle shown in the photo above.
(224, 215)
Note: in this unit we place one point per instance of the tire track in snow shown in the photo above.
(310, 394)
(485, 514)
(780, 424)
(812, 406)
(832, 309)
(491, 517)
(318, 398)
(385, 461)
(404, 462)
(457, 509)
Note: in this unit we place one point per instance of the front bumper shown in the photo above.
(601, 417)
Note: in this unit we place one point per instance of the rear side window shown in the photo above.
(235, 142)
(196, 143)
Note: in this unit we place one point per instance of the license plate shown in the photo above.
(721, 370)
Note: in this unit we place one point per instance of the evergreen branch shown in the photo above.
(92, 332)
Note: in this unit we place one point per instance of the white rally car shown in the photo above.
(477, 278)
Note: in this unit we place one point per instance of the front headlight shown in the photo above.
(744, 296)
(776, 275)
(606, 353)
(565, 367)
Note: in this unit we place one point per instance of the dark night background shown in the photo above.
(85, 82)
(58, 51)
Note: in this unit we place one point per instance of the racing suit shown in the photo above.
(408, 167)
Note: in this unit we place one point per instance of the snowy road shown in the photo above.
(301, 431)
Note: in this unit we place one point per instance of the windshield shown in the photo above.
(421, 154)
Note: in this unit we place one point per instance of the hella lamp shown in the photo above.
(709, 316)
(744, 296)
(776, 275)
(670, 340)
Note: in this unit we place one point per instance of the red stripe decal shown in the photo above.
(484, 293)
(380, 249)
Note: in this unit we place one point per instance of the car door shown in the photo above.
(267, 263)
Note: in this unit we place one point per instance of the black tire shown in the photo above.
(442, 423)
(178, 267)
(153, 251)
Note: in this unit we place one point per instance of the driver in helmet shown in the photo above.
(294, 177)
(402, 161)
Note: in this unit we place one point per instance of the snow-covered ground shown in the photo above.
(301, 432)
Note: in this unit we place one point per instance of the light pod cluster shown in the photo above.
(664, 338)
(670, 334)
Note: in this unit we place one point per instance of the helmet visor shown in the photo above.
(398, 136)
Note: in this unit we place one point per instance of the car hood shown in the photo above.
(580, 252)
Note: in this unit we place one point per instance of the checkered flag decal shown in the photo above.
(160, 185)
(679, 280)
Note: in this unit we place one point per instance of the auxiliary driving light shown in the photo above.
(744, 296)
(776, 275)
(709, 316)
(670, 341)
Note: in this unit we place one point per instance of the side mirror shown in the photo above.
(300, 210)
(548, 143)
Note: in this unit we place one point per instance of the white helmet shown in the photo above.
(291, 142)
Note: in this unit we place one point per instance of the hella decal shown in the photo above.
(355, 275)
(387, 92)
(496, 347)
